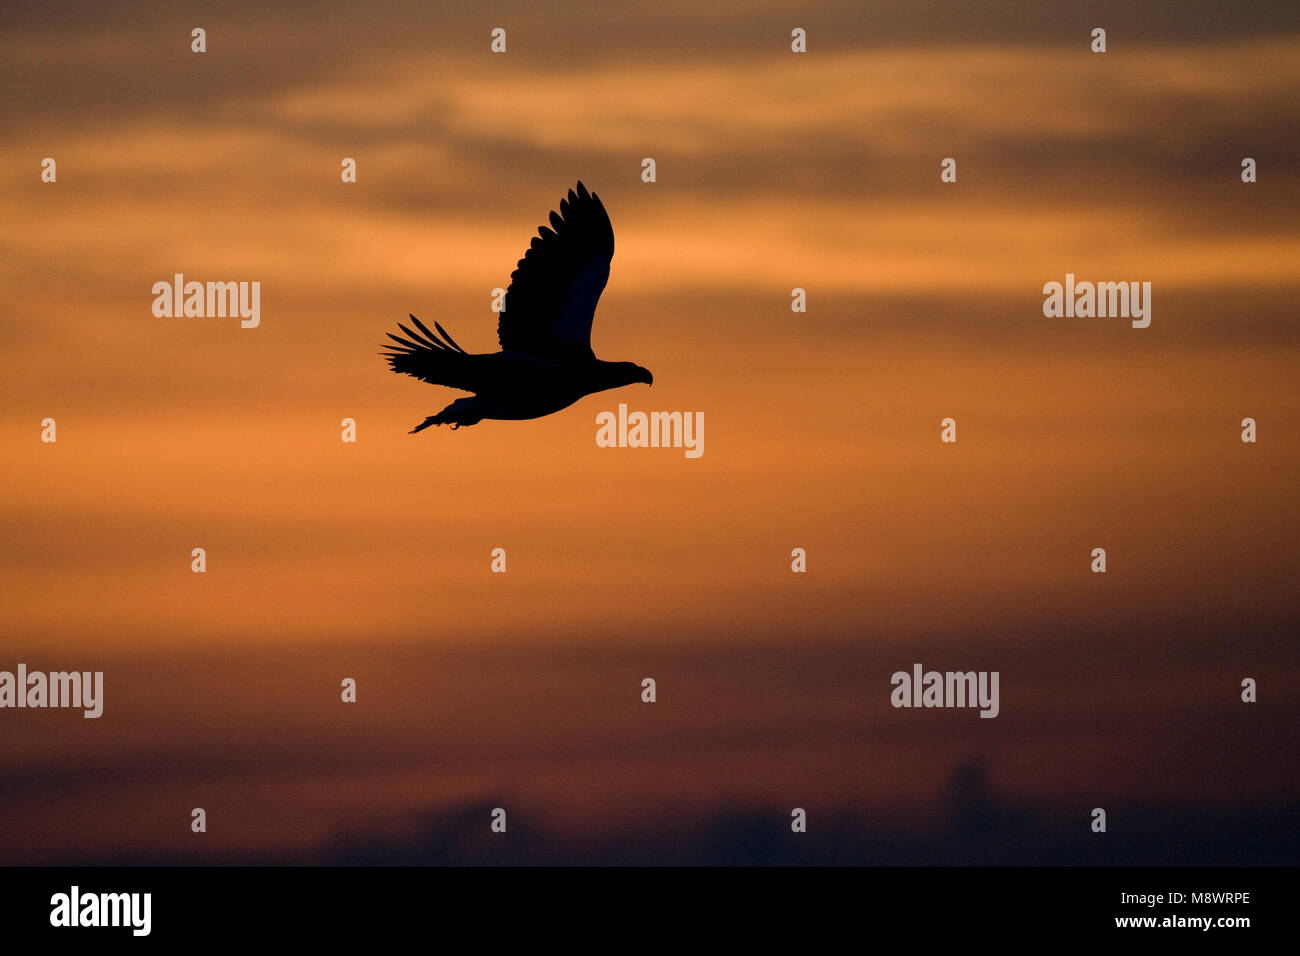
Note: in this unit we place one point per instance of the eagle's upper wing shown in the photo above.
(553, 293)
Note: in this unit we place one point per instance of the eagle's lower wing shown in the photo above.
(436, 358)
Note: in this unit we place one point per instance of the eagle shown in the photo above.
(545, 362)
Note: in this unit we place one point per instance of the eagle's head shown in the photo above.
(618, 374)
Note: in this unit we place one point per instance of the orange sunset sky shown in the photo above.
(774, 171)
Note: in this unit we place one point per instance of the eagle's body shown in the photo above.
(546, 362)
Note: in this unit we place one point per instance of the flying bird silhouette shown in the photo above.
(546, 362)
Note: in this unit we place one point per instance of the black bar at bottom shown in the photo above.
(611, 906)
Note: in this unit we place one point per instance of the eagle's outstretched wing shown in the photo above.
(552, 297)
(436, 358)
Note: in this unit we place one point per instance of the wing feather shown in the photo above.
(430, 359)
